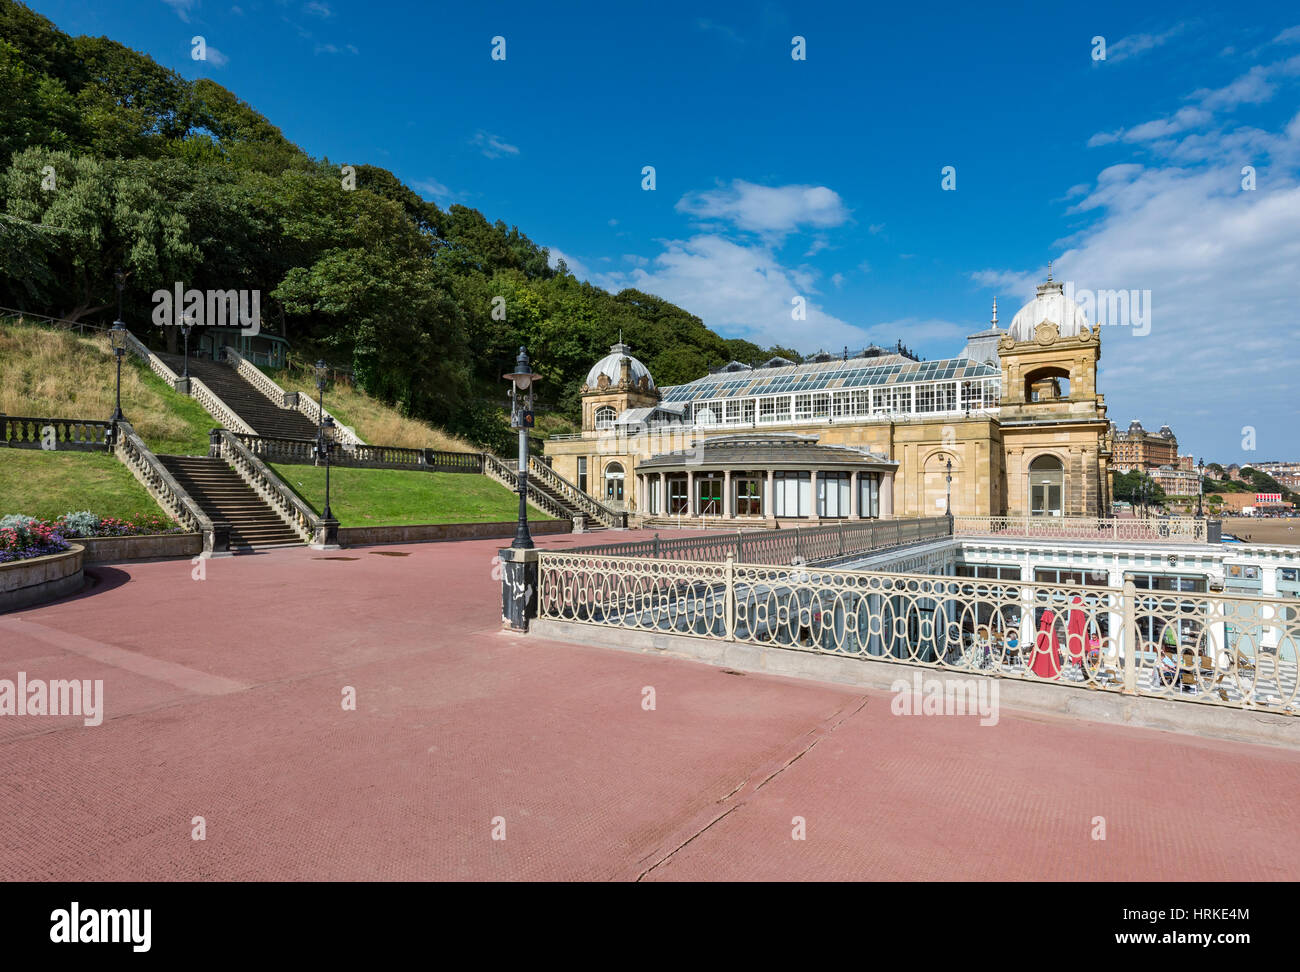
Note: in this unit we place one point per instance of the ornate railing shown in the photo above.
(1175, 529)
(1213, 649)
(138, 348)
(256, 377)
(588, 504)
(215, 407)
(835, 541)
(68, 435)
(303, 451)
(163, 487)
(508, 475)
(300, 517)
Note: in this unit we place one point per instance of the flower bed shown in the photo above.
(25, 536)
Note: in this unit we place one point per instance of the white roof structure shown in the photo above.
(611, 367)
(1049, 305)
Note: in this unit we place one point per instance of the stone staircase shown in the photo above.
(224, 497)
(265, 416)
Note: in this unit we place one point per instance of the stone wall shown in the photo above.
(108, 550)
(426, 532)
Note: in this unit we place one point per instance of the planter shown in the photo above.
(108, 550)
(40, 579)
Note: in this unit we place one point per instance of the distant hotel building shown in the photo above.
(1015, 418)
(1136, 448)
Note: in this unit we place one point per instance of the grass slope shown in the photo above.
(49, 484)
(59, 374)
(399, 497)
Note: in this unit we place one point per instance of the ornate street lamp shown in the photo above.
(1200, 485)
(325, 446)
(185, 330)
(322, 372)
(948, 465)
(117, 337)
(521, 418)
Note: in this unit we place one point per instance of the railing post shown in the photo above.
(740, 538)
(1130, 637)
(729, 603)
(798, 543)
(656, 546)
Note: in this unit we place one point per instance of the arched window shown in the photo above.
(605, 417)
(1049, 384)
(1046, 486)
(614, 482)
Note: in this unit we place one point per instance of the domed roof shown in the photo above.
(611, 366)
(1049, 305)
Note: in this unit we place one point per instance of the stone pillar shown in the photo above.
(853, 495)
(769, 500)
(815, 512)
(690, 492)
(727, 511)
(663, 494)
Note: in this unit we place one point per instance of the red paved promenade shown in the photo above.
(223, 701)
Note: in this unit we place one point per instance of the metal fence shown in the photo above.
(1235, 650)
(833, 541)
(1173, 529)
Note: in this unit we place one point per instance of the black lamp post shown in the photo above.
(322, 372)
(185, 331)
(521, 418)
(325, 447)
(1200, 485)
(948, 465)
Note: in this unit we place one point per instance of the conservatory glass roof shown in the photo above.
(827, 376)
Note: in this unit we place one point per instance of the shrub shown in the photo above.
(29, 538)
(82, 524)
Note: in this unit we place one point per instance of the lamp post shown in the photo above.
(185, 331)
(948, 507)
(519, 560)
(117, 337)
(327, 533)
(325, 446)
(1200, 485)
(322, 371)
(521, 418)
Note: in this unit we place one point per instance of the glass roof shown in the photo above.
(827, 376)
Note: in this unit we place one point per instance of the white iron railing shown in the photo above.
(1234, 650)
(1174, 529)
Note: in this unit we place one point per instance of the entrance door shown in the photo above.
(710, 497)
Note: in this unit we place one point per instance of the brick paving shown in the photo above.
(223, 701)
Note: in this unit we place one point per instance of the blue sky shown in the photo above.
(821, 178)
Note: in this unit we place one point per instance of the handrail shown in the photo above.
(300, 517)
(1181, 529)
(584, 501)
(78, 435)
(160, 368)
(131, 451)
(303, 451)
(503, 473)
(215, 407)
(256, 377)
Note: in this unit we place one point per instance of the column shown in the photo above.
(814, 512)
(690, 492)
(853, 495)
(663, 494)
(726, 494)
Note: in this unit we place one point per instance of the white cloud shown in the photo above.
(838, 280)
(182, 8)
(493, 146)
(215, 57)
(1289, 36)
(321, 10)
(576, 266)
(1135, 44)
(769, 210)
(334, 49)
(435, 190)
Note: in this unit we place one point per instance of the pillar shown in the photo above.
(853, 495)
(769, 499)
(726, 494)
(690, 492)
(663, 494)
(814, 512)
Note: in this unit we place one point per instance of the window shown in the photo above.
(605, 417)
(1046, 486)
(821, 406)
(946, 397)
(833, 494)
(925, 398)
(774, 409)
(1288, 574)
(861, 402)
(734, 411)
(869, 495)
(793, 493)
(842, 405)
(582, 473)
(803, 406)
(748, 498)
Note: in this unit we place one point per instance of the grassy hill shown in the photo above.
(60, 374)
(49, 484)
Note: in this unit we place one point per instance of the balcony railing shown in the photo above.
(1236, 651)
(54, 434)
(1175, 529)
